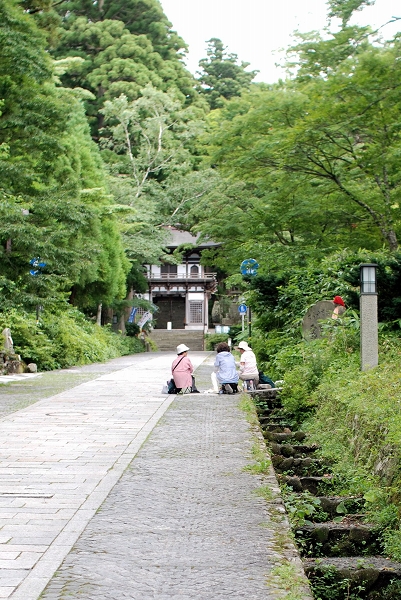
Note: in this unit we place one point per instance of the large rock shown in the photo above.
(320, 311)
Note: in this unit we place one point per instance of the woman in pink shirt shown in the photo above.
(182, 370)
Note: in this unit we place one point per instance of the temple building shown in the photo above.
(182, 292)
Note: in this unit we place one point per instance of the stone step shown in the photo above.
(281, 437)
(298, 466)
(167, 340)
(337, 505)
(374, 573)
(338, 539)
(306, 484)
(295, 450)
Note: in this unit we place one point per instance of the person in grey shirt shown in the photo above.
(226, 372)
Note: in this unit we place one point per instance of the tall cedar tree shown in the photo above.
(221, 75)
(140, 17)
(124, 46)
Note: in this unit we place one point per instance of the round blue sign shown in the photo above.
(242, 309)
(37, 266)
(249, 267)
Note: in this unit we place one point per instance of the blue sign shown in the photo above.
(249, 267)
(132, 314)
(37, 265)
(242, 309)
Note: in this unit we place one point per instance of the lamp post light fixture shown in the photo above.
(368, 278)
(369, 320)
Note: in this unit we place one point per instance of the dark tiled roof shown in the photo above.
(178, 237)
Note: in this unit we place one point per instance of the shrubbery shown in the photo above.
(353, 416)
(212, 339)
(64, 339)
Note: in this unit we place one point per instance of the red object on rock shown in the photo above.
(338, 300)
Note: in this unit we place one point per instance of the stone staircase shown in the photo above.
(168, 340)
(341, 550)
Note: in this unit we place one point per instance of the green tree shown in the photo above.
(141, 17)
(54, 204)
(344, 9)
(322, 155)
(147, 132)
(148, 149)
(221, 76)
(116, 42)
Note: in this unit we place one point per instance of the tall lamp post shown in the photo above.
(369, 320)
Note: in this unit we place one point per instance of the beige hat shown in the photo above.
(243, 346)
(182, 348)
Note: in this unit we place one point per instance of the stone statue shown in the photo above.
(8, 341)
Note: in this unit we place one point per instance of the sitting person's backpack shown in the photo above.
(265, 379)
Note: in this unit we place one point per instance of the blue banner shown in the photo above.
(132, 314)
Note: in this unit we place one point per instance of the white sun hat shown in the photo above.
(182, 348)
(243, 346)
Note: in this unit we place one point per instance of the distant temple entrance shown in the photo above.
(171, 310)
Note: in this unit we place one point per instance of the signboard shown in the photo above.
(242, 309)
(249, 267)
(37, 265)
(144, 319)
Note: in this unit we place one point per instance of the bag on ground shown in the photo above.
(171, 387)
(194, 389)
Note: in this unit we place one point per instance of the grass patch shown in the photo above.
(248, 407)
(291, 581)
(262, 463)
(265, 492)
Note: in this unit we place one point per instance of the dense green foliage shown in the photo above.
(65, 200)
(212, 339)
(54, 199)
(326, 392)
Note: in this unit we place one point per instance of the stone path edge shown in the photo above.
(35, 582)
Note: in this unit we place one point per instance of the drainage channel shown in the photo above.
(340, 549)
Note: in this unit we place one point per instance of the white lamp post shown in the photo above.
(369, 321)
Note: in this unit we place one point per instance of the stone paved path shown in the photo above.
(178, 519)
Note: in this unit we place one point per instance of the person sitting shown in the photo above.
(182, 370)
(249, 373)
(226, 372)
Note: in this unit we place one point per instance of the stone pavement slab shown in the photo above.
(61, 456)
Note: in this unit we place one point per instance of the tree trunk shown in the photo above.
(392, 240)
(99, 315)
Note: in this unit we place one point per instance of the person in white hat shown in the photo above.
(248, 367)
(182, 370)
